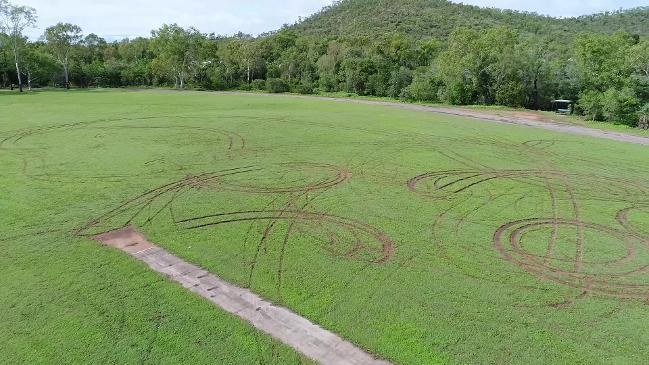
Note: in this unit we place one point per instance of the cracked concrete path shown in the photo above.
(298, 332)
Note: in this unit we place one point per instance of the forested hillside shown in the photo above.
(415, 50)
(438, 18)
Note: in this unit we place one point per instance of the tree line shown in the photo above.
(608, 74)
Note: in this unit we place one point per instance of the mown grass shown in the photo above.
(504, 110)
(446, 294)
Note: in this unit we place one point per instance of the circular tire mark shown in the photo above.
(615, 277)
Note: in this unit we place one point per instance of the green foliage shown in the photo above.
(424, 87)
(643, 117)
(600, 60)
(62, 39)
(620, 106)
(259, 84)
(276, 85)
(591, 104)
(178, 53)
(305, 86)
(438, 19)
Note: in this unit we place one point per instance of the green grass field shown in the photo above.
(422, 238)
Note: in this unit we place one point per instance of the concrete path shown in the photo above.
(293, 330)
(557, 127)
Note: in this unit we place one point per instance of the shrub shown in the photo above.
(590, 105)
(620, 106)
(399, 80)
(304, 87)
(276, 86)
(424, 87)
(643, 117)
(259, 84)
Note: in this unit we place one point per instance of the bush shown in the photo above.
(276, 86)
(510, 93)
(259, 84)
(304, 87)
(327, 82)
(620, 106)
(424, 87)
(590, 105)
(643, 117)
(399, 80)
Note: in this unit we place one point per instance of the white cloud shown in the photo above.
(127, 18)
(120, 18)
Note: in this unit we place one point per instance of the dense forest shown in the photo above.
(415, 50)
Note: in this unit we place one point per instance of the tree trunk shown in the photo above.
(248, 73)
(20, 79)
(67, 77)
(15, 49)
(29, 80)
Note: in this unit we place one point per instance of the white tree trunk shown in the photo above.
(20, 80)
(67, 77)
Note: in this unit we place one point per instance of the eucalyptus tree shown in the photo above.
(14, 21)
(38, 65)
(177, 51)
(61, 40)
(638, 58)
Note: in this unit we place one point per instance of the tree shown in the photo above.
(643, 117)
(177, 50)
(590, 103)
(38, 64)
(61, 39)
(601, 59)
(638, 58)
(480, 67)
(14, 21)
(424, 87)
(620, 106)
(328, 65)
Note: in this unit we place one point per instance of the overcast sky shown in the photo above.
(114, 19)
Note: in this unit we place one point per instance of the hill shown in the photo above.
(438, 18)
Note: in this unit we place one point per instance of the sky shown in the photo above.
(116, 19)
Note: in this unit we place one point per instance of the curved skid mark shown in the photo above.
(612, 284)
(341, 176)
(355, 228)
(617, 277)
